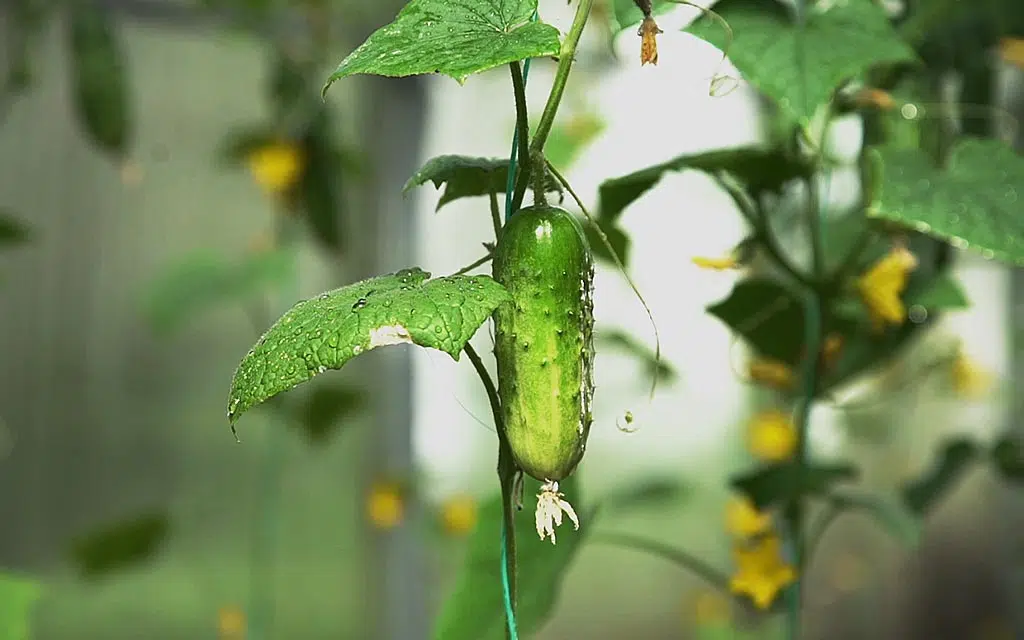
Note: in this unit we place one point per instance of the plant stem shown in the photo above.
(495, 215)
(506, 476)
(522, 134)
(683, 559)
(476, 263)
(565, 60)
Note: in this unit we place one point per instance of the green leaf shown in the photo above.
(203, 281)
(238, 144)
(567, 140)
(323, 409)
(760, 170)
(320, 188)
(922, 493)
(12, 230)
(651, 493)
(327, 331)
(455, 37)
(767, 315)
(99, 78)
(777, 483)
(942, 293)
(120, 545)
(617, 238)
(799, 69)
(18, 597)
(465, 177)
(1008, 458)
(475, 609)
(626, 14)
(625, 342)
(975, 202)
(888, 512)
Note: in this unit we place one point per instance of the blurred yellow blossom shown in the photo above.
(871, 97)
(743, 520)
(385, 506)
(771, 436)
(230, 623)
(459, 514)
(761, 571)
(969, 380)
(718, 264)
(771, 373)
(883, 284)
(1012, 50)
(276, 167)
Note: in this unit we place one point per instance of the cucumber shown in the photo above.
(543, 344)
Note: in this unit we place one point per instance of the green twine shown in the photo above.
(510, 182)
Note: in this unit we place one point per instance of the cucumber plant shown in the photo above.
(811, 64)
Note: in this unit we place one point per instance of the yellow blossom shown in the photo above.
(231, 623)
(385, 506)
(743, 520)
(831, 349)
(877, 98)
(276, 167)
(771, 373)
(883, 284)
(717, 264)
(649, 41)
(771, 436)
(1012, 50)
(969, 380)
(761, 572)
(459, 514)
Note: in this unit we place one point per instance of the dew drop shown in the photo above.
(359, 304)
(357, 349)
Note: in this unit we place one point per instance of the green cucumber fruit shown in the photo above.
(544, 340)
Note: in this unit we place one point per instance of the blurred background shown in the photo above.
(171, 182)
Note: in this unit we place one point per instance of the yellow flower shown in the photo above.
(231, 623)
(276, 167)
(649, 41)
(717, 264)
(771, 373)
(458, 514)
(743, 520)
(882, 285)
(969, 380)
(772, 437)
(871, 97)
(1012, 50)
(385, 506)
(761, 572)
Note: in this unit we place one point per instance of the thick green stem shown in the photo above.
(565, 60)
(522, 134)
(506, 476)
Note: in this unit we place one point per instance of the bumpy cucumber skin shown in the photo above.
(543, 338)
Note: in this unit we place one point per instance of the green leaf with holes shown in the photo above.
(466, 177)
(975, 202)
(759, 170)
(777, 483)
(18, 598)
(921, 494)
(327, 331)
(120, 545)
(475, 609)
(455, 37)
(799, 69)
